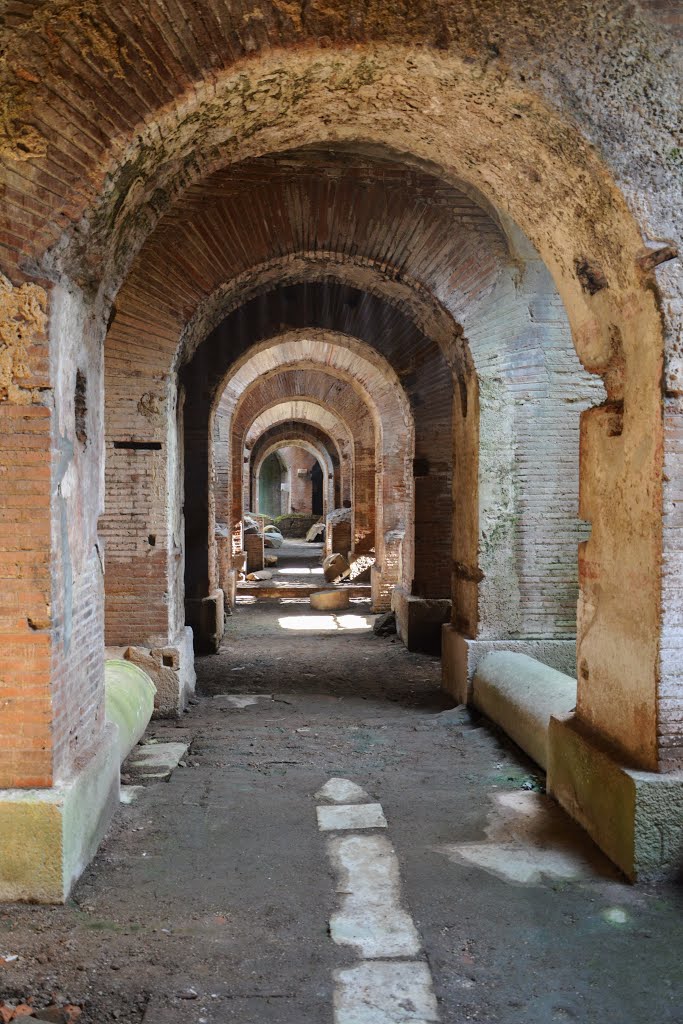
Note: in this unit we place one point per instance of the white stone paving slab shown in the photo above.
(341, 817)
(385, 993)
(240, 700)
(155, 760)
(370, 918)
(129, 794)
(528, 838)
(342, 791)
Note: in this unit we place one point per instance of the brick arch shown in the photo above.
(328, 448)
(360, 378)
(526, 130)
(357, 447)
(444, 84)
(332, 308)
(360, 364)
(428, 287)
(278, 435)
(306, 408)
(319, 453)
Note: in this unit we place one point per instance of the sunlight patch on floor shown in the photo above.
(326, 622)
(300, 572)
(528, 838)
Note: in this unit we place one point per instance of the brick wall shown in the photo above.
(300, 486)
(309, 437)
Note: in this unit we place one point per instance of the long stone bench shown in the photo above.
(521, 695)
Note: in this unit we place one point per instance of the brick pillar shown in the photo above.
(204, 601)
(26, 733)
(53, 737)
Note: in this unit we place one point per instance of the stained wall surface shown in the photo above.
(485, 195)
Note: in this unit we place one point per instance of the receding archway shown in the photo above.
(519, 157)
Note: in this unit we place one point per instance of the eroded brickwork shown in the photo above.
(496, 256)
(26, 722)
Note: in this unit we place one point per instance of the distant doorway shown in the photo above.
(317, 489)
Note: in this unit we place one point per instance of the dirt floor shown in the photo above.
(211, 898)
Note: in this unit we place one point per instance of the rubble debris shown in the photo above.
(385, 624)
(261, 574)
(251, 525)
(66, 1014)
(272, 538)
(360, 569)
(339, 515)
(335, 568)
(316, 534)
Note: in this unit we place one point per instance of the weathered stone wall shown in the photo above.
(300, 486)
(560, 118)
(77, 572)
(321, 446)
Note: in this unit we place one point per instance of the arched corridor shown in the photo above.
(339, 440)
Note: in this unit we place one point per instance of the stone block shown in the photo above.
(155, 760)
(230, 589)
(521, 695)
(330, 600)
(253, 545)
(635, 817)
(419, 620)
(48, 836)
(460, 657)
(166, 679)
(335, 567)
(206, 618)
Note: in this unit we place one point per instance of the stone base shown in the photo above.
(330, 600)
(48, 836)
(230, 589)
(170, 667)
(419, 620)
(380, 591)
(635, 817)
(460, 656)
(205, 616)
